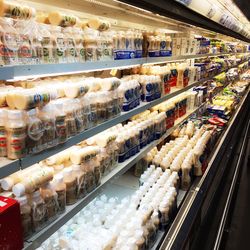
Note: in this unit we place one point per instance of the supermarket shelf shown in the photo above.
(177, 11)
(20, 72)
(32, 159)
(155, 60)
(8, 167)
(121, 168)
(12, 167)
(194, 203)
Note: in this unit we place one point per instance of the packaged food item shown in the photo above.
(36, 179)
(38, 211)
(60, 124)
(34, 132)
(25, 47)
(80, 176)
(70, 43)
(3, 133)
(25, 210)
(31, 98)
(71, 186)
(60, 188)
(59, 44)
(16, 134)
(9, 37)
(48, 44)
(47, 116)
(70, 119)
(50, 198)
(90, 40)
(61, 19)
(98, 24)
(79, 44)
(15, 10)
(8, 182)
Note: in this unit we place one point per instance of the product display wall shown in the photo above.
(106, 125)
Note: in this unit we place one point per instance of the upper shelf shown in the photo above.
(177, 11)
(20, 72)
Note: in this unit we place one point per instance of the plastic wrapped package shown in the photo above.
(61, 19)
(9, 41)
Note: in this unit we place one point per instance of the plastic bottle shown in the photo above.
(70, 119)
(71, 186)
(38, 211)
(46, 115)
(80, 176)
(3, 133)
(16, 135)
(49, 196)
(60, 124)
(34, 132)
(60, 188)
(25, 210)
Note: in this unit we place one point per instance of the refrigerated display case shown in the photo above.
(94, 117)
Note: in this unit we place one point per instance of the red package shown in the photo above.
(10, 225)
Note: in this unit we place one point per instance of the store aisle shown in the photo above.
(238, 231)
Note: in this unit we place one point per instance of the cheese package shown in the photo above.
(83, 154)
(60, 19)
(15, 10)
(98, 24)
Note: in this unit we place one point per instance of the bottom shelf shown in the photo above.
(126, 185)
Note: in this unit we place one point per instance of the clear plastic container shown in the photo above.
(34, 132)
(70, 117)
(80, 176)
(46, 115)
(16, 135)
(49, 196)
(59, 45)
(71, 53)
(3, 133)
(90, 40)
(60, 124)
(25, 210)
(48, 46)
(10, 38)
(24, 49)
(38, 211)
(60, 188)
(71, 186)
(79, 44)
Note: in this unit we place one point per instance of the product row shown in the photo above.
(63, 38)
(70, 175)
(75, 104)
